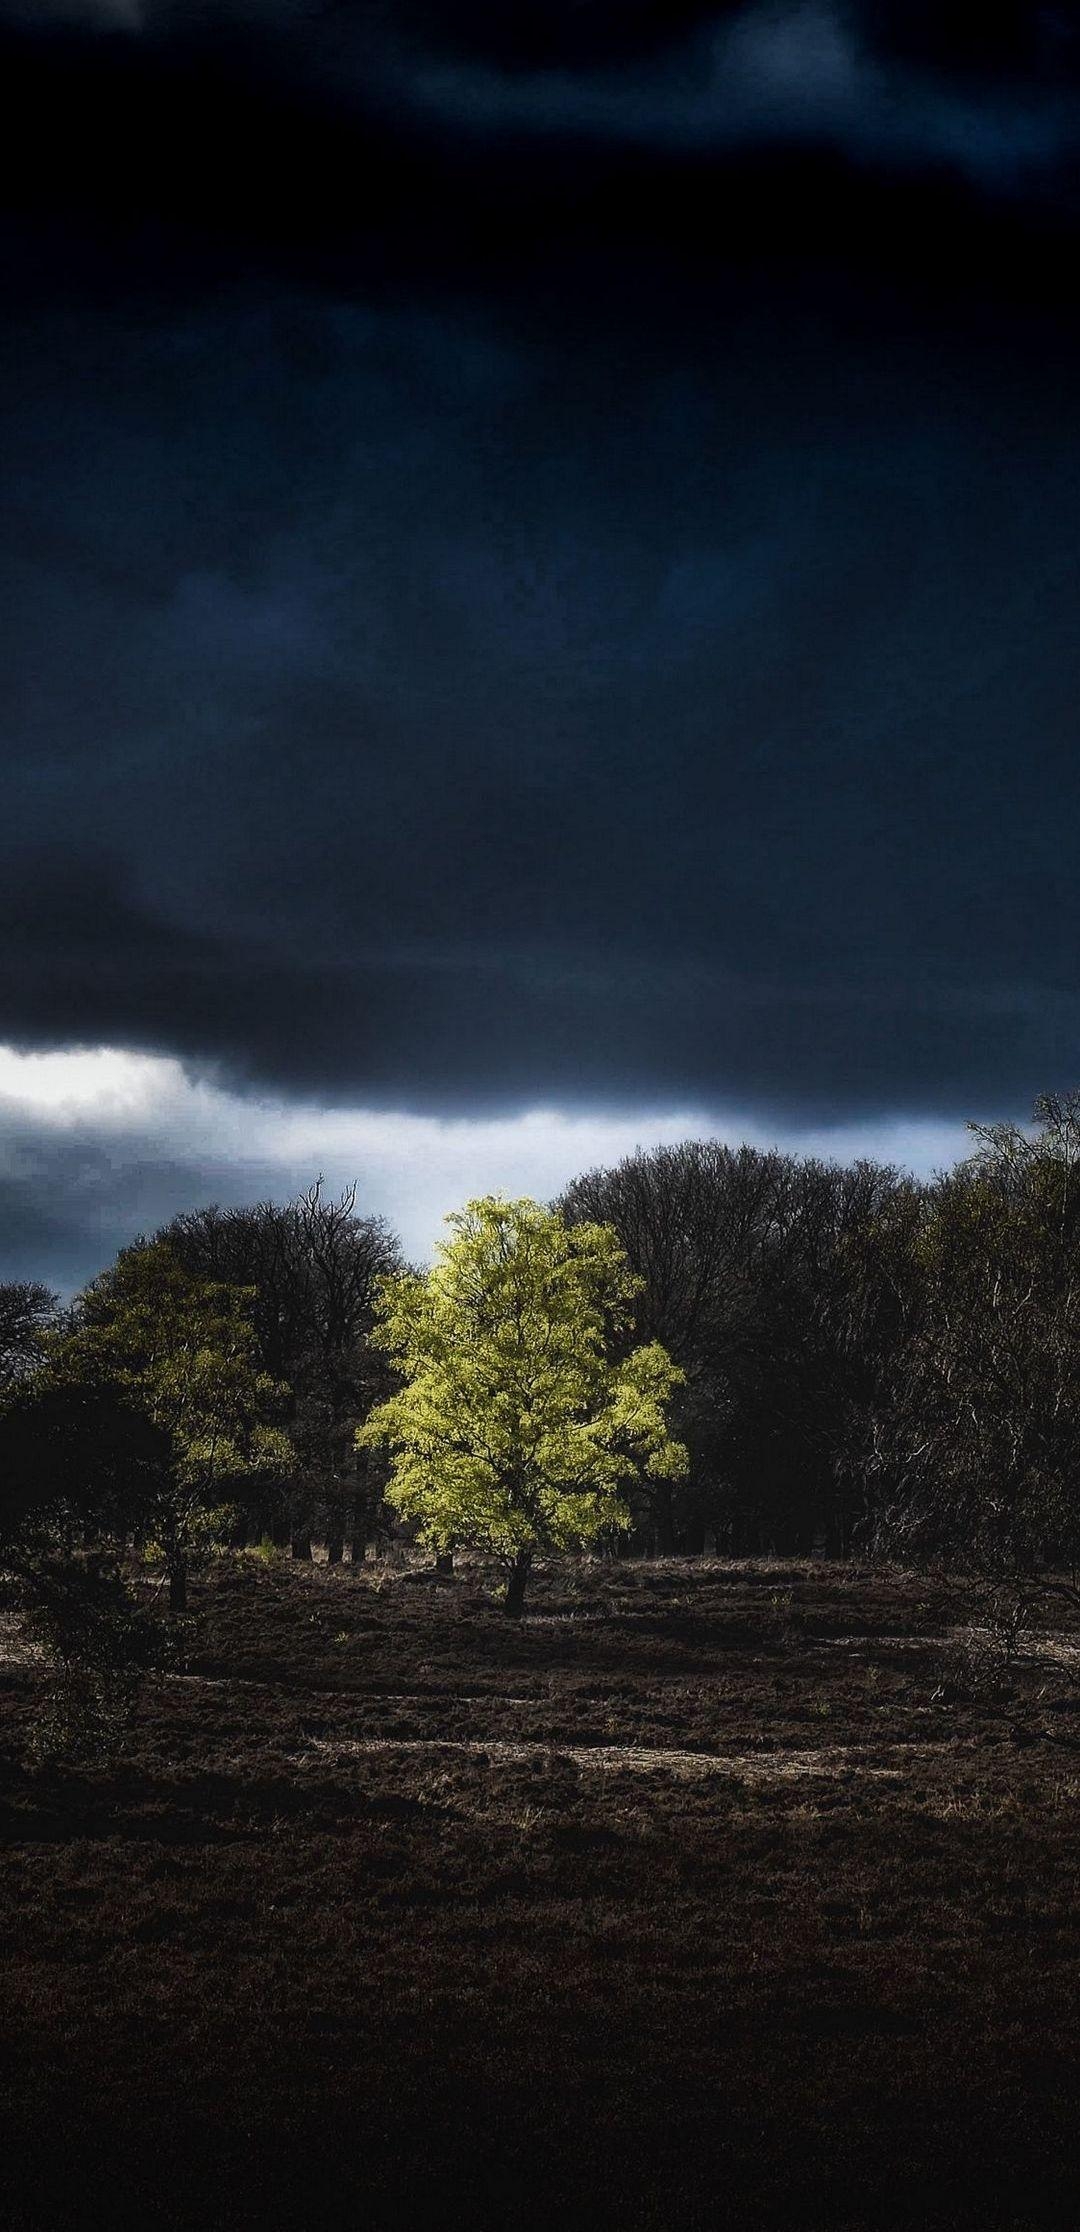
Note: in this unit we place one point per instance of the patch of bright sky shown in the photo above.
(411, 1169)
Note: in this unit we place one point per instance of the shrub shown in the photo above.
(99, 1646)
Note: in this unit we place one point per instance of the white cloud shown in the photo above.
(96, 1146)
(98, 1087)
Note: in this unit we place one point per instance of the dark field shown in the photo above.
(707, 1895)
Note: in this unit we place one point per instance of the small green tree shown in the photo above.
(515, 1429)
(183, 1350)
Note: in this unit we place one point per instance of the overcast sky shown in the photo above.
(541, 602)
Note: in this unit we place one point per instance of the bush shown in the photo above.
(268, 1553)
(99, 1646)
(979, 1663)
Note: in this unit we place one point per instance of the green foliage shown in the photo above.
(185, 1347)
(266, 1553)
(514, 1429)
(849, 1354)
(181, 1350)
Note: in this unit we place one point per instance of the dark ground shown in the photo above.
(706, 1896)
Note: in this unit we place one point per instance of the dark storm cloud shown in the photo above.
(807, 74)
(905, 80)
(355, 146)
(545, 561)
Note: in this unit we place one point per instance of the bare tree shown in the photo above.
(743, 1255)
(974, 1455)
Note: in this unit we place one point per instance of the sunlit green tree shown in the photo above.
(516, 1429)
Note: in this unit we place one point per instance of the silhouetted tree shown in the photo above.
(80, 1465)
(81, 1462)
(312, 1267)
(743, 1258)
(976, 1435)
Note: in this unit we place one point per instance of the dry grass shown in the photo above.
(691, 1901)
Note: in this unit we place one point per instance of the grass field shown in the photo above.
(706, 1895)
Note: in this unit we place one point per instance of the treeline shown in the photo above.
(872, 1363)
(749, 1262)
(241, 1338)
(867, 1363)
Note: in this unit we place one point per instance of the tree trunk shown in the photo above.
(335, 1549)
(362, 1511)
(514, 1600)
(664, 1518)
(177, 1585)
(300, 1547)
(444, 1561)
